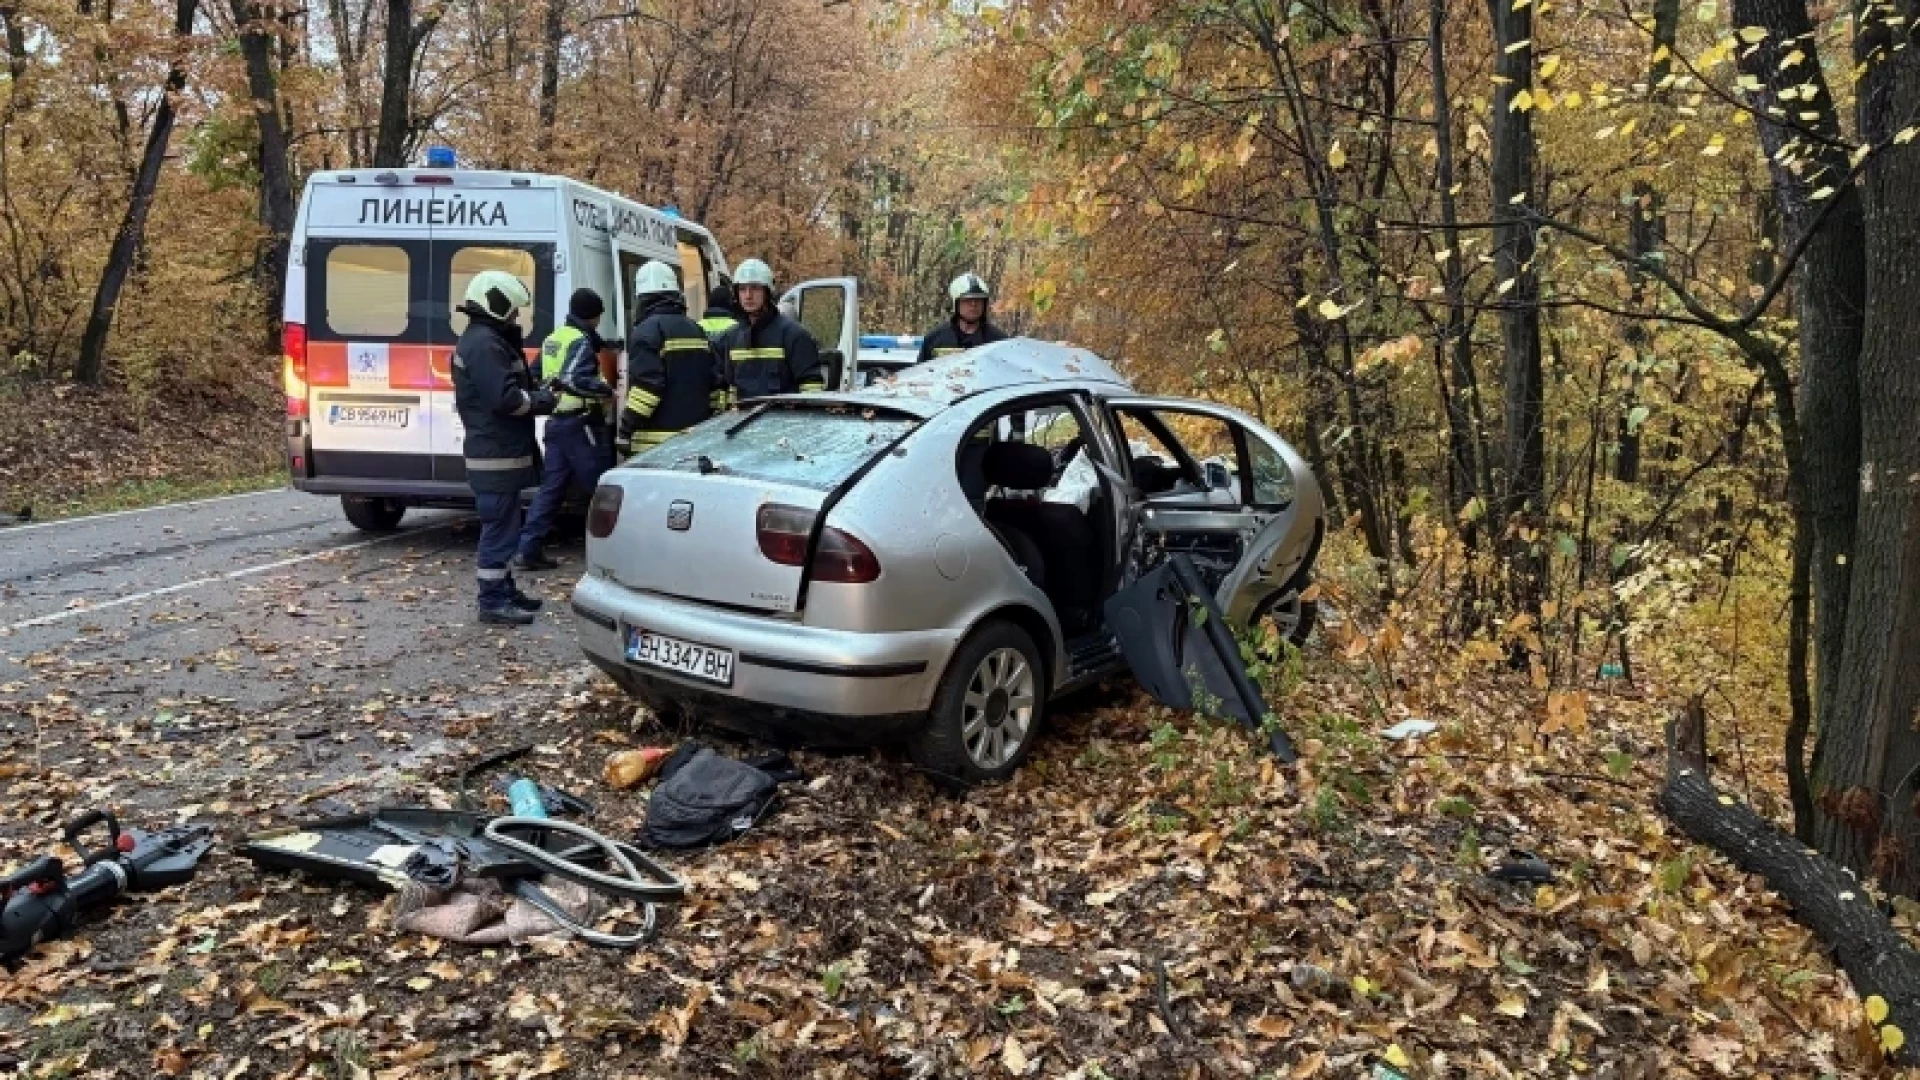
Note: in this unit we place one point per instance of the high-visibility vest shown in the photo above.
(553, 356)
(715, 325)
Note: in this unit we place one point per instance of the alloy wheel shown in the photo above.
(998, 710)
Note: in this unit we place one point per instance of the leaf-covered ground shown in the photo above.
(72, 449)
(1150, 898)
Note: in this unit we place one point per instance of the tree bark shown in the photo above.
(1826, 898)
(1832, 283)
(1514, 248)
(554, 38)
(1453, 354)
(1870, 744)
(277, 208)
(90, 366)
(1647, 235)
(404, 38)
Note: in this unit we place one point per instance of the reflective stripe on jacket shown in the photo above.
(570, 359)
(774, 356)
(673, 375)
(493, 392)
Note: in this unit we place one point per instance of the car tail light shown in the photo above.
(783, 532)
(841, 557)
(293, 350)
(604, 512)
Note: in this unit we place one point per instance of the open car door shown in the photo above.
(830, 310)
(1234, 498)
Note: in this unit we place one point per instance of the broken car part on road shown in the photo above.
(44, 904)
(401, 847)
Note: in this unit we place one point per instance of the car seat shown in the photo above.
(1060, 532)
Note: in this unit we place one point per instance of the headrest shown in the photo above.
(1019, 466)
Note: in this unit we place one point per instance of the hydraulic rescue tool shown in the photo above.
(43, 903)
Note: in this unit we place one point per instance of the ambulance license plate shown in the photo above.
(383, 416)
(693, 660)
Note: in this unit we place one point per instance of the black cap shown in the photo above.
(586, 305)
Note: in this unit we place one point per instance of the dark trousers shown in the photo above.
(578, 451)
(500, 517)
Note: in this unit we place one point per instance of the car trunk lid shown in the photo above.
(696, 537)
(691, 521)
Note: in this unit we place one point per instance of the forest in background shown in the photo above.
(1594, 317)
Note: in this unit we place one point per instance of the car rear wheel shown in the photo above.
(987, 711)
(373, 515)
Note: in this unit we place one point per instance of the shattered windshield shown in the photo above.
(801, 445)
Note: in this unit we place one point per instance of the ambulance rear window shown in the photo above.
(367, 290)
(469, 261)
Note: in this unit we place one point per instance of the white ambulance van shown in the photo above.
(380, 259)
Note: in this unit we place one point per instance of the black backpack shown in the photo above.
(704, 798)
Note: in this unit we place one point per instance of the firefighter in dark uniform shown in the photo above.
(495, 393)
(578, 440)
(674, 378)
(768, 353)
(966, 325)
(723, 313)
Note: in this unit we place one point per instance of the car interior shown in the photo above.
(1028, 474)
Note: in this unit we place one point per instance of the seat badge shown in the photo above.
(680, 515)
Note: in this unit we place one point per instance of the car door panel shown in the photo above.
(829, 308)
(1270, 538)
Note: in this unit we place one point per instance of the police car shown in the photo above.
(885, 355)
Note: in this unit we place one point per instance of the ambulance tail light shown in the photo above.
(293, 349)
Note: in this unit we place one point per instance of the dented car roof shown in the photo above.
(931, 387)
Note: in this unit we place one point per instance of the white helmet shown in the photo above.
(754, 272)
(969, 286)
(498, 293)
(655, 277)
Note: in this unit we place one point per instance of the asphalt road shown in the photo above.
(266, 614)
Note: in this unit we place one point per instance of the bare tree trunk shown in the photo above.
(257, 37)
(1454, 352)
(1513, 195)
(1647, 235)
(1871, 745)
(1831, 285)
(1878, 959)
(404, 38)
(91, 364)
(555, 37)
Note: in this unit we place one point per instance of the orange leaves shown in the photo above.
(1566, 711)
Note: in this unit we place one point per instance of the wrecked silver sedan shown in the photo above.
(933, 557)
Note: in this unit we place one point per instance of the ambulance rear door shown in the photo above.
(483, 221)
(367, 270)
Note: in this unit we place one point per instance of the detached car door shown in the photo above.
(830, 310)
(1212, 483)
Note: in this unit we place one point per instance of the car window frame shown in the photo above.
(1145, 413)
(1076, 402)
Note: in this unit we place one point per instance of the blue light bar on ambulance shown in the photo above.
(889, 341)
(440, 157)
